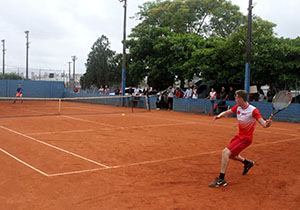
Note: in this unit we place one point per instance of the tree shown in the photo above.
(162, 45)
(11, 76)
(202, 17)
(100, 67)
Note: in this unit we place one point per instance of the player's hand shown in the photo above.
(268, 123)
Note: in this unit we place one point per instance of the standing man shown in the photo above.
(19, 93)
(212, 96)
(188, 92)
(247, 116)
(231, 94)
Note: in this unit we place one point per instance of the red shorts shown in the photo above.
(19, 94)
(237, 145)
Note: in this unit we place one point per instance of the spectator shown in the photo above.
(212, 97)
(170, 97)
(101, 90)
(261, 95)
(270, 94)
(160, 101)
(117, 91)
(221, 105)
(194, 92)
(136, 91)
(188, 92)
(178, 93)
(106, 90)
(212, 94)
(130, 90)
(146, 91)
(231, 94)
(223, 95)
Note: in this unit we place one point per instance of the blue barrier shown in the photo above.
(37, 89)
(202, 106)
(53, 89)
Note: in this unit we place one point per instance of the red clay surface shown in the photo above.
(145, 160)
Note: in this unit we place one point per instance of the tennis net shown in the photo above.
(28, 107)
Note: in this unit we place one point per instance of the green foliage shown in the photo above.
(178, 40)
(102, 66)
(11, 76)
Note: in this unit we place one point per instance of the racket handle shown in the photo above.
(271, 117)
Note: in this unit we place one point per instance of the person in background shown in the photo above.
(117, 90)
(178, 94)
(130, 90)
(247, 115)
(212, 96)
(160, 101)
(101, 90)
(170, 97)
(136, 91)
(19, 93)
(106, 90)
(188, 92)
(261, 95)
(231, 94)
(223, 95)
(194, 92)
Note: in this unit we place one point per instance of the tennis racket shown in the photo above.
(280, 102)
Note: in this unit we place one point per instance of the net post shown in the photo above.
(147, 101)
(59, 105)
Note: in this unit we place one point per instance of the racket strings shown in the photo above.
(282, 100)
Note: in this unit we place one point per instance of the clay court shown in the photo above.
(91, 157)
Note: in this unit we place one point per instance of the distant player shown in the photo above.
(247, 115)
(19, 93)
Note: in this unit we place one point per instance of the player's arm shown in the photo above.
(223, 114)
(264, 123)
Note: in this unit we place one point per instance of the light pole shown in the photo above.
(3, 67)
(248, 50)
(124, 50)
(27, 47)
(73, 59)
(69, 85)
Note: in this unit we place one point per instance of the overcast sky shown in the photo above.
(62, 28)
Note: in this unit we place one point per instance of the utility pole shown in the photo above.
(69, 85)
(3, 67)
(74, 59)
(248, 50)
(27, 47)
(124, 49)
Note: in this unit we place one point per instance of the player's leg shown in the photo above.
(220, 181)
(15, 99)
(247, 163)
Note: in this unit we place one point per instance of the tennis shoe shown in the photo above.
(247, 167)
(218, 182)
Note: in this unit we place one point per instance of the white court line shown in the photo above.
(89, 109)
(89, 121)
(26, 164)
(55, 147)
(159, 125)
(163, 160)
(77, 172)
(70, 131)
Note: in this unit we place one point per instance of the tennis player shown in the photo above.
(247, 115)
(19, 93)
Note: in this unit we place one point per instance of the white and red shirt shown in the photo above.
(212, 95)
(247, 120)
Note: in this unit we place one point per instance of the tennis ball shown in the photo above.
(123, 115)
